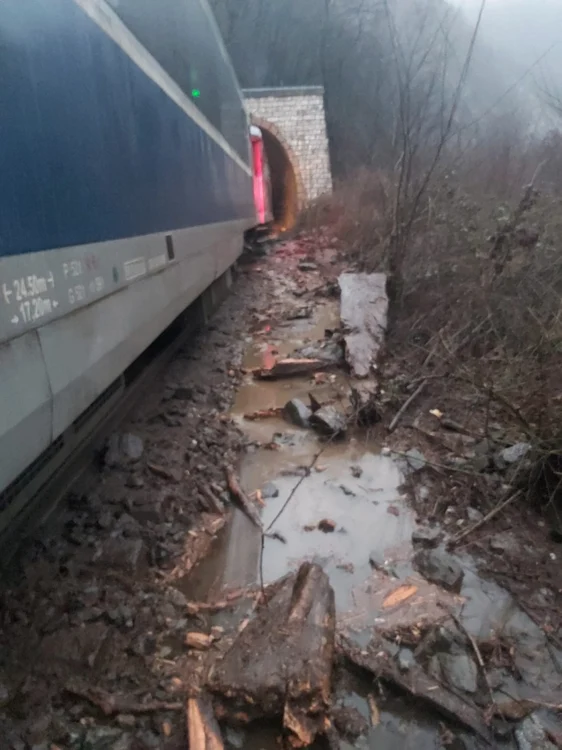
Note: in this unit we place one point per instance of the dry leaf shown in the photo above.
(166, 729)
(399, 595)
(375, 713)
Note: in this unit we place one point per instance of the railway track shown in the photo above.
(31, 501)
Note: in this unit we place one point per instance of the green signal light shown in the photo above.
(195, 93)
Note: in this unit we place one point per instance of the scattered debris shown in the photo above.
(417, 684)
(281, 664)
(287, 368)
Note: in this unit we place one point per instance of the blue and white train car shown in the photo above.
(125, 190)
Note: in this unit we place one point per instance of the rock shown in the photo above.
(405, 660)
(503, 542)
(426, 537)
(327, 525)
(183, 393)
(347, 491)
(349, 722)
(474, 515)
(328, 421)
(297, 413)
(512, 455)
(135, 482)
(356, 472)
(414, 460)
(329, 352)
(234, 738)
(379, 562)
(78, 647)
(440, 568)
(126, 720)
(129, 555)
(123, 449)
(479, 463)
(530, 735)
(38, 729)
(269, 490)
(456, 669)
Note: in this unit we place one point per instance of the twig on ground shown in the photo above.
(406, 404)
(487, 517)
(111, 704)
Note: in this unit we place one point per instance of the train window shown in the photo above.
(181, 36)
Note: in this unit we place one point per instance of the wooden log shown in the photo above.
(202, 727)
(291, 367)
(281, 663)
(418, 685)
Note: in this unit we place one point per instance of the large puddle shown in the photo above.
(357, 487)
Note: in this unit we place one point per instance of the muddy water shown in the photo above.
(356, 485)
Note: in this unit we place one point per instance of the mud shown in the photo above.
(103, 595)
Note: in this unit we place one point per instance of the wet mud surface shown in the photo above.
(104, 599)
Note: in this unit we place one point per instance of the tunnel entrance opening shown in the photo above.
(284, 191)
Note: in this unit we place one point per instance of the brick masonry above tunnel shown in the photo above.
(297, 118)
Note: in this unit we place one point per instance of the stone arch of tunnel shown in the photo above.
(287, 188)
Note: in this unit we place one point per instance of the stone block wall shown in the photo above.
(296, 117)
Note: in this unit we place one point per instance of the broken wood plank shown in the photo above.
(364, 315)
(291, 367)
(418, 685)
(202, 727)
(243, 501)
(281, 664)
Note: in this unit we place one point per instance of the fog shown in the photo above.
(391, 68)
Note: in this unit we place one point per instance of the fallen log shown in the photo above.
(240, 497)
(291, 367)
(281, 664)
(418, 685)
(202, 727)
